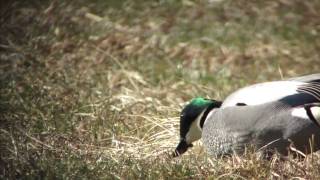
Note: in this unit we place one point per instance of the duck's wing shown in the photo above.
(273, 91)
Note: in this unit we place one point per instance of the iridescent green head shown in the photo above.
(192, 118)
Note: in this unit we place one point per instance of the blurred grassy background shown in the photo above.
(93, 89)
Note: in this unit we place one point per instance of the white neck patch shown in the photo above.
(195, 130)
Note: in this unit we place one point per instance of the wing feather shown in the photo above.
(312, 89)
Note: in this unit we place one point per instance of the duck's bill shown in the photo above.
(181, 148)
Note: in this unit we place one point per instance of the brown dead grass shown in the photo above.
(94, 90)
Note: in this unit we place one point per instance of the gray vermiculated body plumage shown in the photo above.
(231, 129)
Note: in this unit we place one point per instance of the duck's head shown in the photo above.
(192, 118)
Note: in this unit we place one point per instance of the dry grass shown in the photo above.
(94, 89)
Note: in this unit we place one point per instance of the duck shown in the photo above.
(273, 116)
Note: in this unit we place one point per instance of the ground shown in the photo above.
(93, 89)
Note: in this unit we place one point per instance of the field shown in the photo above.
(93, 89)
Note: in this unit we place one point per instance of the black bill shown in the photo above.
(181, 148)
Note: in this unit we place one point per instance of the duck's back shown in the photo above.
(270, 91)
